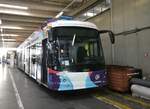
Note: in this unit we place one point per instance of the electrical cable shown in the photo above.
(132, 31)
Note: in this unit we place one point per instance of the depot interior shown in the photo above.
(127, 19)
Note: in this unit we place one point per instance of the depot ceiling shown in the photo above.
(19, 18)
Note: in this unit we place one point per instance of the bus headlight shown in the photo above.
(97, 77)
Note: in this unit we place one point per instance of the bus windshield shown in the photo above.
(79, 49)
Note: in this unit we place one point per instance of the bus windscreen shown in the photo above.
(79, 49)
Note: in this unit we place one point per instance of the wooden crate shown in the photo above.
(118, 78)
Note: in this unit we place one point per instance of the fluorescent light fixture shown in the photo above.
(89, 14)
(11, 27)
(104, 8)
(0, 21)
(9, 35)
(14, 12)
(13, 6)
(59, 14)
(8, 39)
(6, 49)
(1, 30)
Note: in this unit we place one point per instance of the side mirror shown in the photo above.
(111, 35)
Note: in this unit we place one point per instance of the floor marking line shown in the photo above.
(20, 104)
(102, 99)
(112, 102)
(127, 97)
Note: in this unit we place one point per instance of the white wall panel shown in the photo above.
(133, 49)
(144, 51)
(120, 50)
(142, 17)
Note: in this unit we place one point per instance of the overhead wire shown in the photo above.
(62, 12)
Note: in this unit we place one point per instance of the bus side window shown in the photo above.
(33, 58)
(49, 59)
(52, 57)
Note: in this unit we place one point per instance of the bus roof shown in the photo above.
(57, 23)
(72, 23)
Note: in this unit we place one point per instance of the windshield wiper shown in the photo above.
(73, 40)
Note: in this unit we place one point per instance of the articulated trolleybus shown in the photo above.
(65, 55)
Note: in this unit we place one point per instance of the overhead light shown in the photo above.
(8, 39)
(0, 21)
(9, 35)
(59, 14)
(14, 12)
(11, 27)
(1, 30)
(89, 14)
(6, 49)
(13, 6)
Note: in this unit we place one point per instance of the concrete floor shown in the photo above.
(18, 91)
